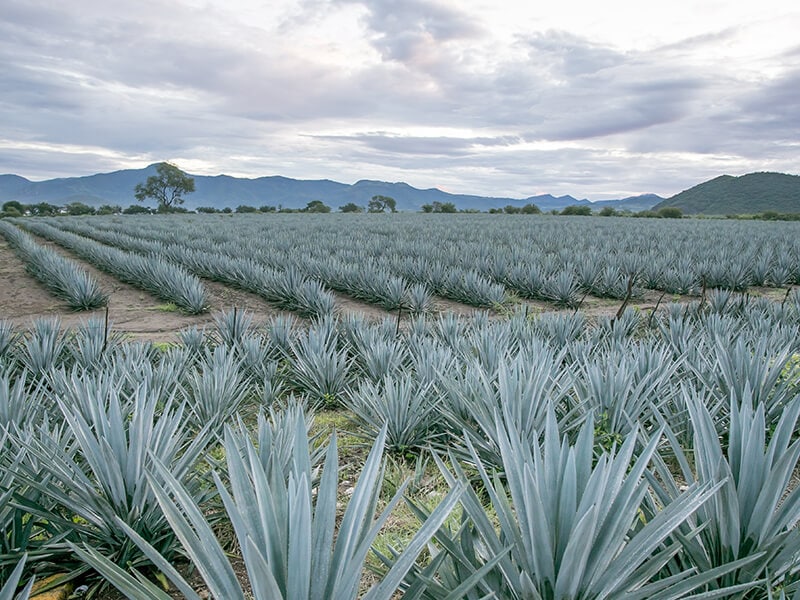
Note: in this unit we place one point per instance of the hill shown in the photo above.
(223, 191)
(753, 193)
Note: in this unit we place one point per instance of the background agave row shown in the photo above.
(482, 261)
(638, 457)
(163, 279)
(62, 276)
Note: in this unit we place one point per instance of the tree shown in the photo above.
(608, 211)
(13, 206)
(670, 212)
(530, 209)
(317, 206)
(167, 187)
(79, 208)
(439, 207)
(351, 207)
(381, 203)
(109, 209)
(44, 209)
(582, 210)
(244, 208)
(135, 209)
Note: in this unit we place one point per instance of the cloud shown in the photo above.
(422, 145)
(429, 92)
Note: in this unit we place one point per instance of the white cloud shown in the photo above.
(592, 99)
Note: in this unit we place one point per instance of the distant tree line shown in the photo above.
(14, 208)
(379, 204)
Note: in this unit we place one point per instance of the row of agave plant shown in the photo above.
(478, 260)
(295, 284)
(643, 457)
(63, 277)
(163, 279)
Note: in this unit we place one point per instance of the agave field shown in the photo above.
(653, 454)
(296, 262)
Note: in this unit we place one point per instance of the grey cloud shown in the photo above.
(568, 55)
(415, 145)
(409, 30)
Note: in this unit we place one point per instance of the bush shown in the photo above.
(670, 212)
(577, 210)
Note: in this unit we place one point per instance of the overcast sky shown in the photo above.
(593, 99)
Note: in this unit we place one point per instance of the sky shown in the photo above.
(598, 100)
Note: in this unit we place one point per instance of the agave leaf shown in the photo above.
(133, 585)
(7, 592)
(195, 534)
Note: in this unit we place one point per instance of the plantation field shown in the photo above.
(162, 273)
(565, 409)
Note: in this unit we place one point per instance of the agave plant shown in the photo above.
(233, 326)
(420, 300)
(519, 393)
(92, 341)
(749, 372)
(752, 516)
(318, 368)
(44, 348)
(217, 389)
(286, 532)
(18, 405)
(568, 526)
(562, 288)
(96, 477)
(400, 405)
(36, 533)
(625, 390)
(8, 337)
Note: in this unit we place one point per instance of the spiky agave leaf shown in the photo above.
(9, 589)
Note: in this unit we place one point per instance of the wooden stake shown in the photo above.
(105, 330)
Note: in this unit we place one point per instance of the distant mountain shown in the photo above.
(11, 184)
(223, 191)
(753, 193)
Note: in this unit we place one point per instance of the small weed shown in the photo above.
(168, 307)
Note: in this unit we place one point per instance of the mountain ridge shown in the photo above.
(753, 193)
(221, 191)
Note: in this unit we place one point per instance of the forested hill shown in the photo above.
(754, 193)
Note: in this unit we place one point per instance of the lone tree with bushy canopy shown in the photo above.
(167, 186)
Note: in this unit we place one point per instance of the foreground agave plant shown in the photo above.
(751, 516)
(285, 529)
(95, 475)
(570, 526)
